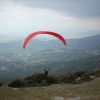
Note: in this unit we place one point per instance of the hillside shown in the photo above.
(91, 42)
(52, 50)
(14, 69)
(85, 91)
(82, 54)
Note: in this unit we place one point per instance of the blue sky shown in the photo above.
(70, 18)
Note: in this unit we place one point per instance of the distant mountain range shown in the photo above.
(79, 54)
(92, 42)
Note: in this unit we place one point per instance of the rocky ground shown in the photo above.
(84, 91)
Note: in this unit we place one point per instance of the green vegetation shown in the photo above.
(43, 80)
(67, 78)
(84, 91)
(0, 84)
(39, 80)
(16, 83)
(61, 87)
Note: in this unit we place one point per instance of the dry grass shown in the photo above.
(83, 91)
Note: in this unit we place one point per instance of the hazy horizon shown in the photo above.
(71, 19)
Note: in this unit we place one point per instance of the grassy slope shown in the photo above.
(84, 91)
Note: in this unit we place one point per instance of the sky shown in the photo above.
(69, 18)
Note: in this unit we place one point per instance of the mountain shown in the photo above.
(92, 42)
(52, 50)
(16, 69)
(79, 54)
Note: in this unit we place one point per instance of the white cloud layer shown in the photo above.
(20, 20)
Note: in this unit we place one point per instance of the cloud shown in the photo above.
(75, 8)
(23, 17)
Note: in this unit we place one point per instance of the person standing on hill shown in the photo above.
(46, 71)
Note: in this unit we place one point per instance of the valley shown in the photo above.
(79, 54)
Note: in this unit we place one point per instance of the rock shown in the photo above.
(93, 77)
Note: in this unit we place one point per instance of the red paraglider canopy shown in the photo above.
(30, 36)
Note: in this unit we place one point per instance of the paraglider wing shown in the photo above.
(30, 36)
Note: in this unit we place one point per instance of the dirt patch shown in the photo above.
(61, 98)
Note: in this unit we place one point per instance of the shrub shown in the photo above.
(39, 80)
(85, 77)
(16, 83)
(79, 73)
(91, 73)
(97, 74)
(51, 80)
(29, 83)
(0, 84)
(67, 78)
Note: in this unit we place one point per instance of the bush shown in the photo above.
(0, 84)
(91, 73)
(86, 77)
(67, 78)
(39, 80)
(97, 74)
(16, 83)
(51, 80)
(29, 83)
(79, 73)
